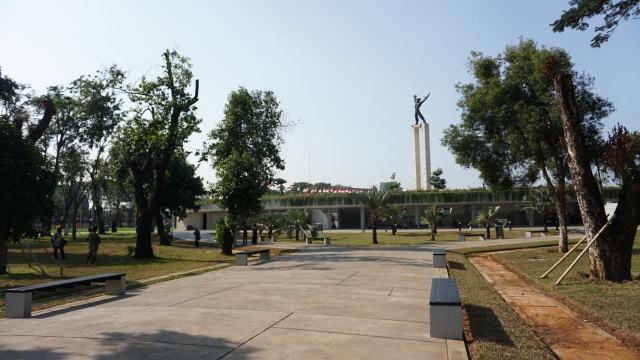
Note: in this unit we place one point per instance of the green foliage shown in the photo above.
(582, 10)
(538, 201)
(431, 216)
(437, 181)
(163, 118)
(26, 186)
(245, 150)
(510, 130)
(375, 201)
(182, 187)
(486, 218)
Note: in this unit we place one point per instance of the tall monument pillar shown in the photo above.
(417, 173)
(421, 150)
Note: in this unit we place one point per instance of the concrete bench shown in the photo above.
(462, 237)
(530, 233)
(325, 240)
(18, 300)
(445, 309)
(242, 257)
(439, 258)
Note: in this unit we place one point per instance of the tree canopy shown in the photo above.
(510, 130)
(581, 11)
(245, 150)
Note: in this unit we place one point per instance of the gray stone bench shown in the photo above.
(445, 310)
(242, 257)
(531, 232)
(325, 240)
(18, 300)
(463, 236)
(439, 258)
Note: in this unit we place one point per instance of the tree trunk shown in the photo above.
(227, 241)
(144, 250)
(587, 191)
(432, 227)
(488, 230)
(4, 257)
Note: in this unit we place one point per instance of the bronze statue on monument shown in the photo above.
(417, 102)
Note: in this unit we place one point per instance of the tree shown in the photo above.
(582, 10)
(394, 214)
(393, 184)
(538, 201)
(26, 185)
(437, 181)
(298, 219)
(486, 218)
(375, 201)
(163, 118)
(97, 113)
(431, 217)
(181, 192)
(245, 152)
(610, 255)
(510, 130)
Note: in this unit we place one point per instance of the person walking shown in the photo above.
(196, 233)
(58, 242)
(93, 242)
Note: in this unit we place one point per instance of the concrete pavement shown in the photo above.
(324, 302)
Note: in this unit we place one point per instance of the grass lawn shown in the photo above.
(497, 331)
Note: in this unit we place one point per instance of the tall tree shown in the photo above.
(581, 11)
(98, 112)
(510, 130)
(163, 118)
(375, 201)
(26, 186)
(245, 152)
(610, 255)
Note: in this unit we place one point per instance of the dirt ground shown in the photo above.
(568, 336)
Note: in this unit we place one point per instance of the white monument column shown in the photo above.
(426, 155)
(415, 132)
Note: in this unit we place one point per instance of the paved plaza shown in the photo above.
(323, 302)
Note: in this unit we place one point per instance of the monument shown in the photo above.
(421, 146)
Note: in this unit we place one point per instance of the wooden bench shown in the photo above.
(462, 237)
(445, 310)
(439, 258)
(18, 300)
(243, 256)
(326, 240)
(530, 233)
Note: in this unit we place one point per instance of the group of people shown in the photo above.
(93, 241)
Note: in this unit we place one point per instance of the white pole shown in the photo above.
(427, 155)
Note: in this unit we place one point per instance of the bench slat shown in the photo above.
(444, 292)
(68, 283)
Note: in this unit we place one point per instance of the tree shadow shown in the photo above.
(486, 326)
(160, 344)
(456, 265)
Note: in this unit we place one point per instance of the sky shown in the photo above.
(344, 71)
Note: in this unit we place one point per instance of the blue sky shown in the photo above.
(345, 70)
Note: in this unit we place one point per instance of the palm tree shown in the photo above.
(538, 201)
(375, 201)
(298, 218)
(394, 214)
(486, 218)
(431, 216)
